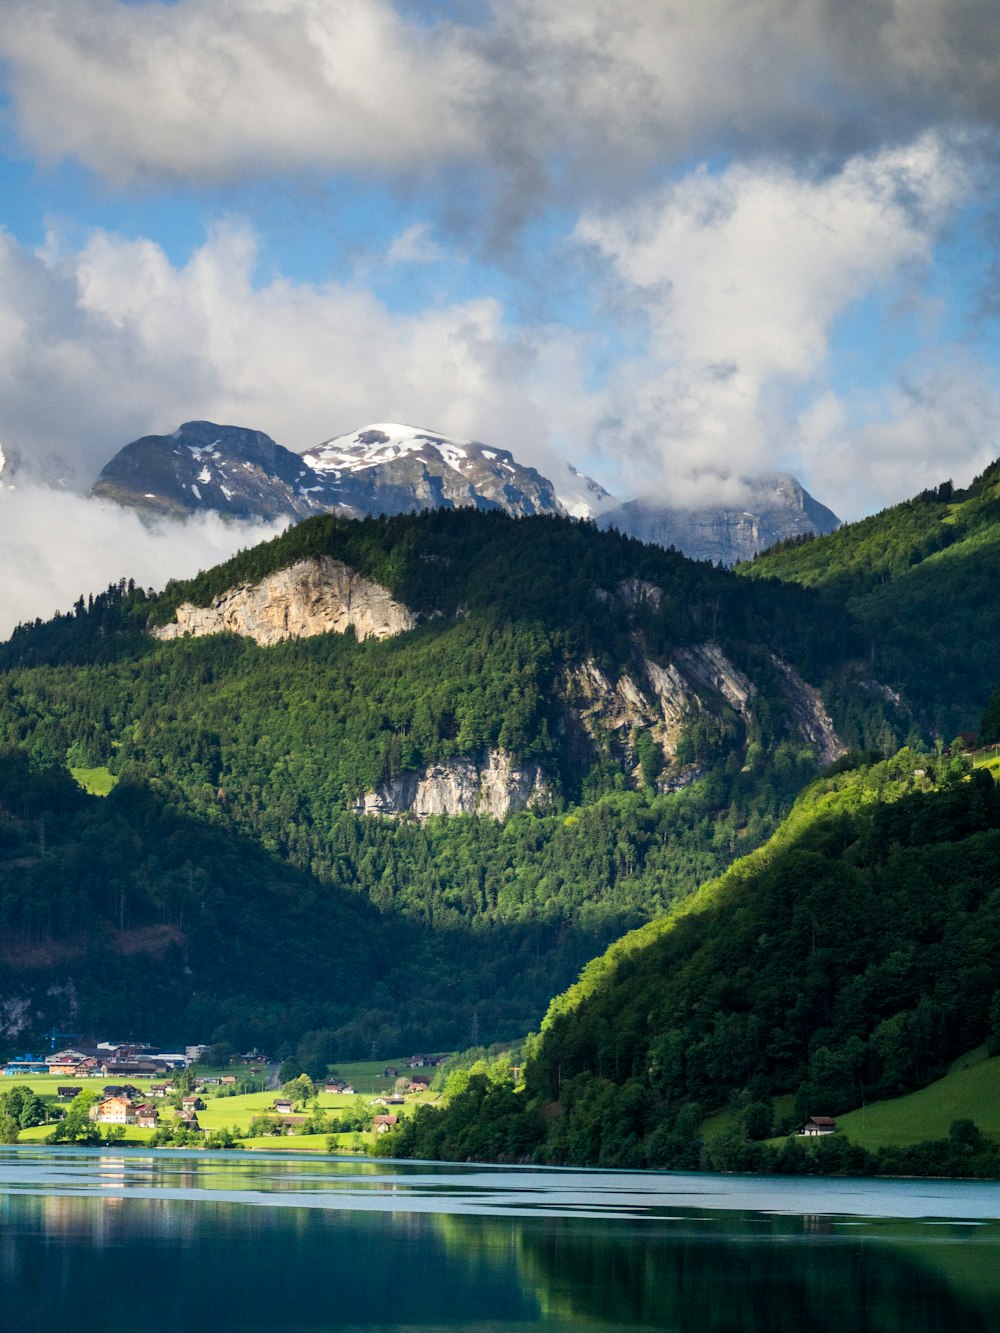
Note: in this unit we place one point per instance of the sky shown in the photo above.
(672, 243)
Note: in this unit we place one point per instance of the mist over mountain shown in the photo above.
(776, 508)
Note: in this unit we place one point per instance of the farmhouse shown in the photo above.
(383, 1123)
(818, 1124)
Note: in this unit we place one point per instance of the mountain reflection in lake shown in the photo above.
(246, 1243)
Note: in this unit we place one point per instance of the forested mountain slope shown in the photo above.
(918, 581)
(645, 714)
(525, 738)
(852, 957)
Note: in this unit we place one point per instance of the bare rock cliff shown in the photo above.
(316, 596)
(610, 712)
(708, 666)
(812, 721)
(494, 786)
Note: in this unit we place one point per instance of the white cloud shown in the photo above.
(211, 90)
(103, 345)
(415, 245)
(742, 276)
(55, 545)
(941, 423)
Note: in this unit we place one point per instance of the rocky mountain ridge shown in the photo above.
(775, 508)
(602, 711)
(388, 468)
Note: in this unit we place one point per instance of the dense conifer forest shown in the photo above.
(851, 958)
(228, 882)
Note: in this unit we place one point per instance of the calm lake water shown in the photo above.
(91, 1240)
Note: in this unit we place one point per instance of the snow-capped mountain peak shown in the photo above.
(390, 468)
(384, 442)
(494, 474)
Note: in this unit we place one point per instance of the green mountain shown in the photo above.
(918, 584)
(526, 738)
(458, 753)
(851, 958)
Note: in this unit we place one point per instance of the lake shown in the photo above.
(91, 1239)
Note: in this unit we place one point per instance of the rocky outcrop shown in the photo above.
(638, 593)
(609, 713)
(315, 596)
(708, 666)
(810, 718)
(495, 786)
(674, 694)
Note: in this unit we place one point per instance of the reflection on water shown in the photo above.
(362, 1245)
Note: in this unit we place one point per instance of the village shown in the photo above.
(121, 1092)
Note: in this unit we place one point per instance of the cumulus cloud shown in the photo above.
(742, 276)
(104, 344)
(223, 89)
(938, 423)
(541, 95)
(55, 545)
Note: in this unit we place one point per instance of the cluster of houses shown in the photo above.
(123, 1105)
(105, 1059)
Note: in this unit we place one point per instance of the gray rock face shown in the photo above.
(201, 466)
(708, 666)
(813, 722)
(393, 469)
(660, 698)
(317, 596)
(494, 786)
(777, 508)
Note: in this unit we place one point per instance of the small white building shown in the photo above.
(818, 1124)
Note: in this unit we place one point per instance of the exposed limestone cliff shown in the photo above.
(494, 786)
(316, 596)
(676, 698)
(662, 698)
(638, 592)
(810, 717)
(610, 713)
(708, 666)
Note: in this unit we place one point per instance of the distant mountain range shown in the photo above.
(389, 468)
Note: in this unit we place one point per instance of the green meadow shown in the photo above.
(235, 1111)
(96, 781)
(969, 1091)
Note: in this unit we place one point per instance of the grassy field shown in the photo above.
(970, 1090)
(235, 1112)
(97, 781)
